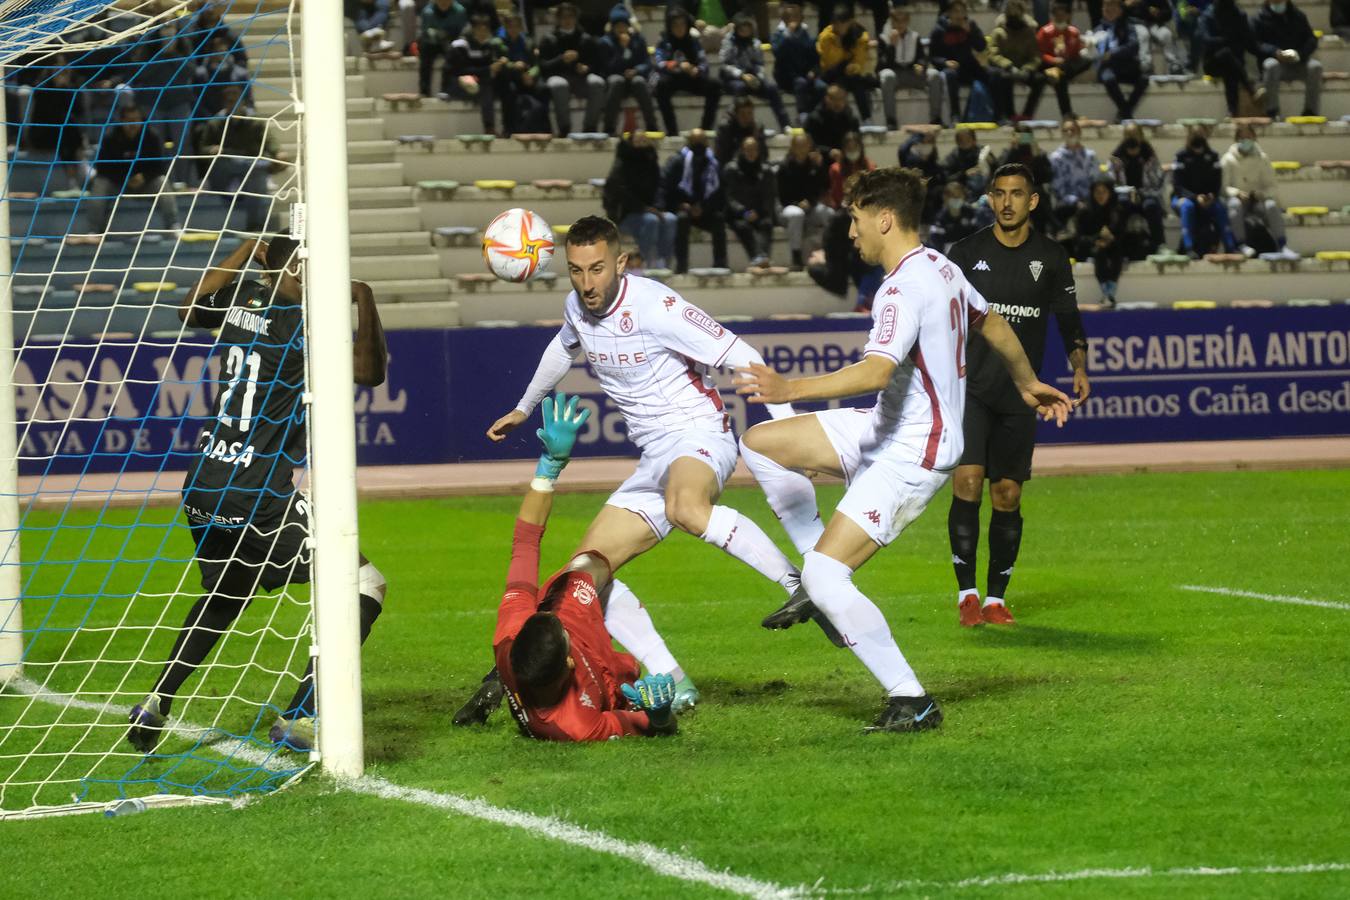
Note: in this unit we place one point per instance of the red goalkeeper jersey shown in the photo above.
(594, 708)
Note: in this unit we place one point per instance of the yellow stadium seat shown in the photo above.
(199, 237)
(1307, 210)
(1333, 255)
(1307, 120)
(1286, 165)
(495, 184)
(977, 126)
(150, 287)
(1194, 304)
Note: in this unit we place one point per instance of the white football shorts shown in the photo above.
(645, 490)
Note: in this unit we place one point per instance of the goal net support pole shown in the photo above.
(11, 610)
(327, 283)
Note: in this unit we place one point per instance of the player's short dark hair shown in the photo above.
(900, 190)
(1015, 170)
(539, 654)
(279, 252)
(592, 230)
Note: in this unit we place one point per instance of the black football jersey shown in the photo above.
(1025, 285)
(249, 450)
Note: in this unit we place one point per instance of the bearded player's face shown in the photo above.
(1012, 201)
(595, 270)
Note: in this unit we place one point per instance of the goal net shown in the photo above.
(146, 142)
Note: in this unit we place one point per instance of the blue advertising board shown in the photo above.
(1157, 375)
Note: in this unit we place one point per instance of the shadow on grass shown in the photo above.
(396, 721)
(1050, 638)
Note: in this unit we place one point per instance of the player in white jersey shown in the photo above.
(894, 456)
(652, 351)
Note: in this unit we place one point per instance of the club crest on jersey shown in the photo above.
(626, 322)
(699, 319)
(887, 329)
(584, 594)
(1036, 267)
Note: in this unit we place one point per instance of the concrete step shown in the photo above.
(358, 152)
(391, 243)
(383, 197)
(281, 83)
(371, 175)
(420, 314)
(397, 267)
(378, 220)
(409, 290)
(357, 107)
(365, 129)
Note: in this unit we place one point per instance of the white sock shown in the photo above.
(629, 624)
(990, 601)
(961, 595)
(743, 539)
(830, 584)
(791, 496)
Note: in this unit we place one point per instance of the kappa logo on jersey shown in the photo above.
(586, 700)
(669, 302)
(584, 594)
(887, 330)
(1036, 267)
(702, 452)
(981, 266)
(873, 516)
(626, 322)
(701, 320)
(891, 291)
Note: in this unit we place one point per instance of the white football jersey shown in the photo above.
(652, 353)
(920, 317)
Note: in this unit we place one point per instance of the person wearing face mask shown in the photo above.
(852, 158)
(1073, 167)
(1196, 184)
(1100, 229)
(1134, 163)
(959, 218)
(752, 201)
(1250, 194)
(570, 63)
(691, 188)
(842, 263)
(920, 152)
(1014, 58)
(1024, 151)
(968, 163)
(627, 70)
(631, 200)
(742, 69)
(1284, 50)
(680, 66)
(803, 182)
(1225, 37)
(740, 123)
(1118, 60)
(1061, 47)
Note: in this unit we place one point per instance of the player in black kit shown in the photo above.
(248, 522)
(1026, 277)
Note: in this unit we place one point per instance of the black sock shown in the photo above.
(1005, 536)
(210, 617)
(963, 527)
(302, 704)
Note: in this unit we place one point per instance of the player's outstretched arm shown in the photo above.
(221, 276)
(761, 384)
(553, 365)
(370, 351)
(562, 422)
(1048, 402)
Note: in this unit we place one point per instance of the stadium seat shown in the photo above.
(873, 130)
(1304, 213)
(532, 141)
(710, 276)
(1204, 121)
(1333, 259)
(542, 280)
(498, 323)
(658, 274)
(768, 274)
(560, 231)
(1229, 261)
(481, 142)
(553, 187)
(455, 236)
(848, 314)
(426, 141)
(920, 128)
(94, 287)
(1039, 124)
(789, 317)
(1254, 121)
(1334, 165)
(977, 126)
(438, 190)
(1307, 301)
(472, 281)
(597, 183)
(202, 237)
(403, 100)
(1194, 304)
(593, 138)
(1285, 166)
(1279, 262)
(1252, 304)
(154, 287)
(1147, 123)
(1137, 304)
(1306, 120)
(1167, 258)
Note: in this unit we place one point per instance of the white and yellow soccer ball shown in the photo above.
(517, 245)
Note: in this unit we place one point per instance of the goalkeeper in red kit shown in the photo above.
(563, 678)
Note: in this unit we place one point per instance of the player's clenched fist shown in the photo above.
(505, 425)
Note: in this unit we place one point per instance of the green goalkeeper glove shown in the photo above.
(562, 421)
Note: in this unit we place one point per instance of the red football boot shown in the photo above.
(969, 608)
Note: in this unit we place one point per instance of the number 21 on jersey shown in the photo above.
(235, 362)
(959, 326)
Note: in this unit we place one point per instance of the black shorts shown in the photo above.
(268, 551)
(1000, 442)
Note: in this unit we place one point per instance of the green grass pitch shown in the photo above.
(1123, 723)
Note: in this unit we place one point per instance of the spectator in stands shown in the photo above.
(739, 124)
(570, 63)
(132, 159)
(831, 120)
(682, 67)
(958, 219)
(1224, 37)
(631, 200)
(220, 60)
(1100, 226)
(594, 16)
(953, 48)
(1249, 191)
(1156, 18)
(478, 68)
(55, 120)
(239, 153)
(920, 152)
(1024, 149)
(442, 22)
(841, 260)
(1061, 47)
(1197, 181)
(852, 158)
(1074, 167)
(1134, 163)
(902, 61)
(1014, 58)
(843, 47)
(968, 164)
(1285, 47)
(803, 185)
(742, 69)
(691, 187)
(369, 17)
(1118, 60)
(1188, 13)
(1340, 18)
(796, 64)
(752, 201)
(524, 103)
(628, 68)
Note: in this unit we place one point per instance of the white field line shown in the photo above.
(663, 862)
(1013, 878)
(1269, 598)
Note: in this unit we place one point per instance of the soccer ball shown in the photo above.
(517, 245)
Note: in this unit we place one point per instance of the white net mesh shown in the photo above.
(144, 148)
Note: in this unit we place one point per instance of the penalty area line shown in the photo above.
(1269, 598)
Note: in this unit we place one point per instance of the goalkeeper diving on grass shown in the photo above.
(556, 660)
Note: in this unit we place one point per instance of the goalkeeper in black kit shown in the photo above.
(1026, 277)
(250, 526)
